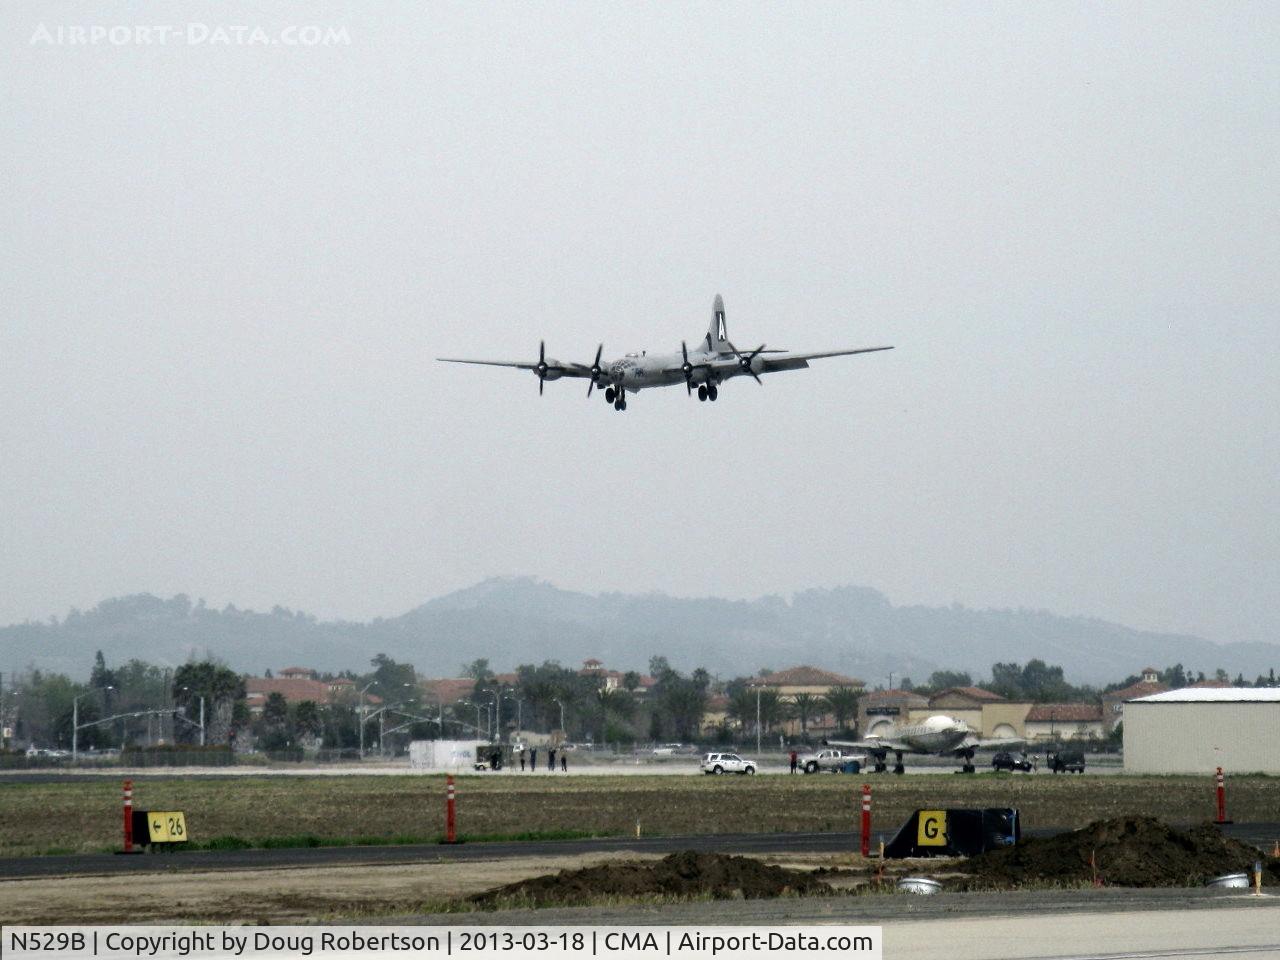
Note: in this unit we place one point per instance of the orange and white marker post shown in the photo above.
(128, 816)
(1222, 799)
(866, 819)
(450, 802)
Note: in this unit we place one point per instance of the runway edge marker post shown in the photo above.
(450, 802)
(128, 816)
(1222, 799)
(866, 820)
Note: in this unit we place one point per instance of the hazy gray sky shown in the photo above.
(225, 271)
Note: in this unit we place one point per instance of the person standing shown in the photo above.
(551, 760)
(564, 762)
(533, 759)
(522, 759)
(794, 761)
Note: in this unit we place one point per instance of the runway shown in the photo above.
(1258, 834)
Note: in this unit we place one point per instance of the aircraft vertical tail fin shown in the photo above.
(717, 338)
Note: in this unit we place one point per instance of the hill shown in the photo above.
(854, 630)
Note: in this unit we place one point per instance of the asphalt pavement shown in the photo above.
(1105, 924)
(1261, 835)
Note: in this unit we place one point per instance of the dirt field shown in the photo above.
(310, 894)
(85, 816)
(274, 896)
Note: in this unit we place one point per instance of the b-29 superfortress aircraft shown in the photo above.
(939, 735)
(714, 360)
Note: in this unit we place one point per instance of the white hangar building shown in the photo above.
(1196, 729)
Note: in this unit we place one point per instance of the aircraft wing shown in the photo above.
(871, 743)
(995, 743)
(799, 361)
(564, 369)
(772, 361)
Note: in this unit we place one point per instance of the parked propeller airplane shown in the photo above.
(714, 360)
(939, 735)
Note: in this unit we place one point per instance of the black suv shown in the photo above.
(1065, 761)
(1007, 761)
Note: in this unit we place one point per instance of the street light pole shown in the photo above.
(75, 727)
(362, 714)
(561, 702)
(495, 730)
(188, 690)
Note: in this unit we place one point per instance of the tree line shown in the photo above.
(139, 704)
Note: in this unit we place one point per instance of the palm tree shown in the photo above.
(742, 707)
(748, 702)
(843, 704)
(772, 708)
(804, 705)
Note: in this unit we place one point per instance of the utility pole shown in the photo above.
(202, 719)
(757, 722)
(75, 727)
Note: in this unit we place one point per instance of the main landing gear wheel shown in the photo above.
(968, 768)
(712, 392)
(702, 392)
(880, 767)
(610, 395)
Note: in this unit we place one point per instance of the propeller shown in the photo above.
(745, 360)
(687, 369)
(542, 367)
(595, 370)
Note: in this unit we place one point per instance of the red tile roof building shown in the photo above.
(298, 684)
(1113, 702)
(807, 679)
(1065, 721)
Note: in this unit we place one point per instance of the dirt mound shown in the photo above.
(681, 875)
(1124, 852)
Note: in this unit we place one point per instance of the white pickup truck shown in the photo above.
(831, 759)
